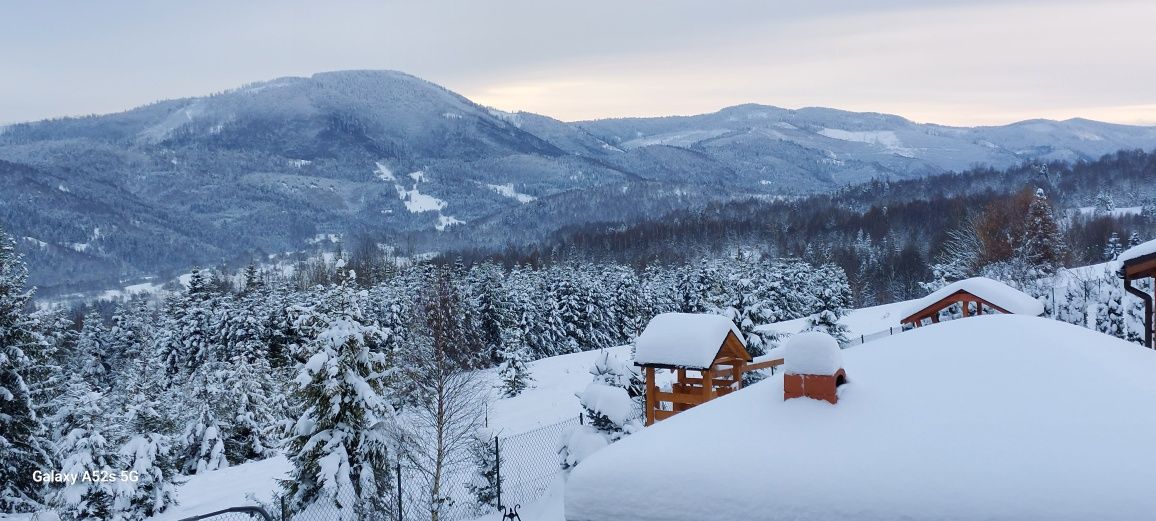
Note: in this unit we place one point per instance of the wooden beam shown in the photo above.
(662, 415)
(683, 398)
(651, 391)
(766, 364)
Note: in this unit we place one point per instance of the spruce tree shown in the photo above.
(338, 444)
(484, 484)
(1113, 249)
(87, 442)
(24, 442)
(1110, 310)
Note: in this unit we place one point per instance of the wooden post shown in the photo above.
(737, 373)
(966, 307)
(651, 389)
(708, 383)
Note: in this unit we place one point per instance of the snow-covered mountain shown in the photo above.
(394, 159)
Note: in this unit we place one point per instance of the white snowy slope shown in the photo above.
(550, 399)
(993, 417)
(863, 321)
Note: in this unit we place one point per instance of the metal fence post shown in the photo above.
(498, 464)
(400, 503)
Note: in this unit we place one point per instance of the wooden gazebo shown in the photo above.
(978, 296)
(706, 353)
(1139, 262)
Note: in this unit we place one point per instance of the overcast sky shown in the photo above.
(961, 62)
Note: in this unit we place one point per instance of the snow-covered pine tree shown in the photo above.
(338, 444)
(1074, 308)
(832, 298)
(93, 351)
(24, 441)
(148, 450)
(203, 439)
(1110, 311)
(1104, 203)
(1134, 239)
(1113, 249)
(86, 442)
(513, 373)
(189, 335)
(486, 301)
(1042, 246)
(251, 403)
(631, 304)
(612, 408)
(484, 484)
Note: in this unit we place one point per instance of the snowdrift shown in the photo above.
(994, 417)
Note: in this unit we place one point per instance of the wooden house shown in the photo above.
(706, 353)
(974, 296)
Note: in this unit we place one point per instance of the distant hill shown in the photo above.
(275, 166)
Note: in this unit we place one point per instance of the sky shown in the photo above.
(959, 62)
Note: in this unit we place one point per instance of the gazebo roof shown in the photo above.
(993, 291)
(688, 340)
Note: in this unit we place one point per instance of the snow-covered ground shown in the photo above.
(992, 417)
(550, 399)
(866, 322)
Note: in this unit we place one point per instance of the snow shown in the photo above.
(994, 417)
(993, 291)
(609, 401)
(445, 221)
(688, 340)
(1137, 251)
(812, 352)
(384, 173)
(1116, 212)
(228, 487)
(417, 202)
(885, 138)
(507, 190)
(860, 322)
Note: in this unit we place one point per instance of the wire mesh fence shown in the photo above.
(234, 514)
(527, 465)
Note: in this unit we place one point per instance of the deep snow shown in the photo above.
(994, 417)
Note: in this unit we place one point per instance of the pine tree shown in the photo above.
(832, 298)
(203, 437)
(1042, 246)
(1134, 239)
(190, 334)
(1113, 249)
(24, 444)
(148, 412)
(1104, 203)
(94, 351)
(1110, 311)
(611, 407)
(484, 484)
(338, 444)
(513, 373)
(1074, 308)
(86, 443)
(251, 402)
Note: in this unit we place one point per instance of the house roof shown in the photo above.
(993, 291)
(1140, 250)
(994, 417)
(689, 340)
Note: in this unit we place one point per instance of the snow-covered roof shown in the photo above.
(993, 291)
(994, 417)
(812, 352)
(683, 339)
(1137, 251)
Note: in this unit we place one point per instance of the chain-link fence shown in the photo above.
(526, 465)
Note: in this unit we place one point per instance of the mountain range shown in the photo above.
(387, 158)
